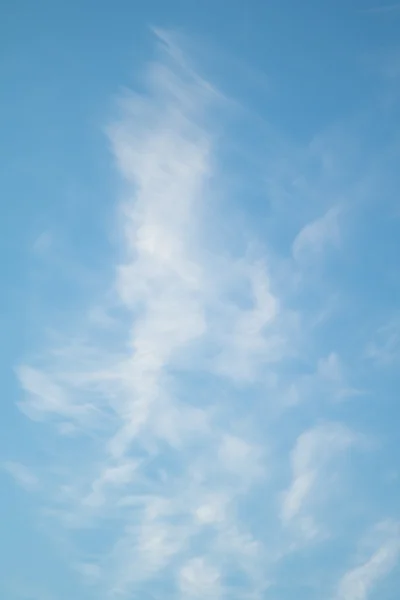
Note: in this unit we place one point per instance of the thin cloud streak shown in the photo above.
(22, 475)
(312, 240)
(359, 582)
(313, 451)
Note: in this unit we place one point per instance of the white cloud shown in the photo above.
(313, 239)
(167, 469)
(22, 475)
(44, 395)
(199, 579)
(239, 456)
(384, 349)
(254, 337)
(330, 368)
(359, 582)
(90, 571)
(115, 476)
(328, 383)
(166, 390)
(212, 509)
(310, 458)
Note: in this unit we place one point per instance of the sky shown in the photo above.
(200, 307)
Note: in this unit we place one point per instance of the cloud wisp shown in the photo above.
(359, 582)
(22, 475)
(313, 451)
(315, 236)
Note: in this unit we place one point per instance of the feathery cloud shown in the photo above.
(313, 451)
(312, 240)
(168, 470)
(168, 388)
(359, 582)
(22, 475)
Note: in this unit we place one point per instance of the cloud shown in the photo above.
(43, 243)
(330, 369)
(22, 475)
(316, 236)
(168, 398)
(199, 579)
(384, 348)
(91, 572)
(312, 454)
(359, 582)
(254, 337)
(111, 477)
(168, 470)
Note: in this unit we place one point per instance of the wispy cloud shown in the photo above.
(161, 398)
(43, 243)
(199, 579)
(384, 348)
(316, 236)
(313, 452)
(169, 470)
(359, 582)
(22, 475)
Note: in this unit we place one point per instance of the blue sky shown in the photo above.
(200, 244)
